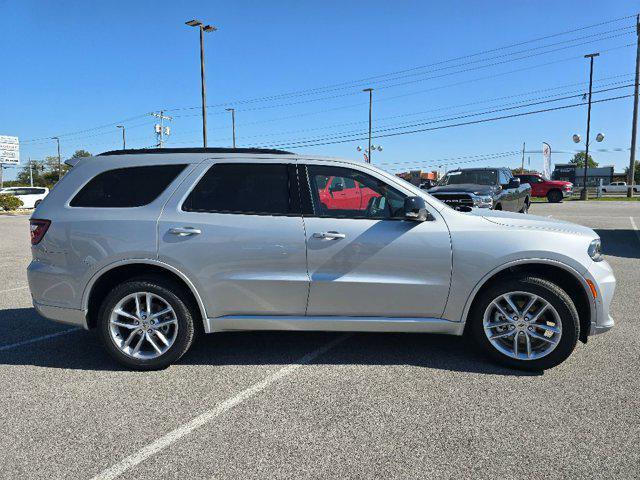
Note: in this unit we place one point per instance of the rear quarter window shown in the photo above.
(126, 187)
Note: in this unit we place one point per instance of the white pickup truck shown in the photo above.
(618, 187)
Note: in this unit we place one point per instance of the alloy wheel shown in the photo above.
(522, 325)
(143, 325)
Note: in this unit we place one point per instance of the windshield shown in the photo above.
(476, 177)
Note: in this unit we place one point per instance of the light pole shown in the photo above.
(233, 124)
(124, 136)
(203, 28)
(59, 159)
(370, 90)
(583, 194)
(634, 127)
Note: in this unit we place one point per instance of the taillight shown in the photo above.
(38, 229)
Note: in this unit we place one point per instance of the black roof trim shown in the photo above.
(196, 150)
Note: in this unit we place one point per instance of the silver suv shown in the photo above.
(149, 247)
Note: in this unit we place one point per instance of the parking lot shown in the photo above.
(321, 405)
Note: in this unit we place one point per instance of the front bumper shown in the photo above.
(605, 282)
(567, 193)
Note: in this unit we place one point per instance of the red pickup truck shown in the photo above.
(554, 190)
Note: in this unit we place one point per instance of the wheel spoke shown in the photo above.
(161, 336)
(507, 298)
(160, 313)
(139, 344)
(535, 318)
(546, 327)
(124, 325)
(503, 334)
(542, 337)
(533, 300)
(119, 311)
(138, 313)
(528, 343)
(130, 337)
(515, 344)
(497, 324)
(501, 310)
(148, 303)
(152, 342)
(165, 323)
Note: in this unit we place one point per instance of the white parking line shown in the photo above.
(635, 227)
(14, 289)
(175, 435)
(37, 339)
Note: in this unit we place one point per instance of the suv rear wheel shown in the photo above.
(526, 323)
(146, 323)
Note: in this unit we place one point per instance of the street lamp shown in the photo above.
(370, 90)
(233, 124)
(366, 150)
(59, 159)
(124, 137)
(203, 28)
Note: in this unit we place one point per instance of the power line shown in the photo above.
(503, 117)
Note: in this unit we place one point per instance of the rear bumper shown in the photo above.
(70, 316)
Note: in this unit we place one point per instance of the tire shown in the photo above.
(554, 196)
(525, 207)
(567, 331)
(498, 207)
(179, 332)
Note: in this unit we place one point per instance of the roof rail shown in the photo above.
(196, 150)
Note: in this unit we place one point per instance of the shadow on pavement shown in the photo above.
(82, 350)
(620, 243)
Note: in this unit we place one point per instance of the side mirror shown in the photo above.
(338, 187)
(415, 208)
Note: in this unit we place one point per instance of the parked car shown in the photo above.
(344, 193)
(494, 188)
(30, 196)
(149, 247)
(618, 187)
(554, 190)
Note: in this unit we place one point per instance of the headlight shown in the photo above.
(483, 201)
(595, 250)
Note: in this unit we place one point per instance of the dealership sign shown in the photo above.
(9, 150)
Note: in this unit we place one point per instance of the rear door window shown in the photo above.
(246, 188)
(126, 187)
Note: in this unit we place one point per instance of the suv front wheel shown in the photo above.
(527, 323)
(146, 323)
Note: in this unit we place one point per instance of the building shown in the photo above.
(570, 173)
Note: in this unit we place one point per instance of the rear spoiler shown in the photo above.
(72, 162)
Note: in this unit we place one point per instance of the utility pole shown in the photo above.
(203, 28)
(233, 124)
(634, 127)
(160, 129)
(370, 90)
(522, 167)
(584, 195)
(59, 158)
(124, 137)
(30, 172)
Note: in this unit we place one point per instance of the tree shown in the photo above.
(80, 154)
(45, 172)
(636, 173)
(578, 160)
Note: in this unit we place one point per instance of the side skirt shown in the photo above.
(333, 324)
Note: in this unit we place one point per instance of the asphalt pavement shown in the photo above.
(321, 405)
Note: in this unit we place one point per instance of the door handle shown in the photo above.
(329, 235)
(184, 231)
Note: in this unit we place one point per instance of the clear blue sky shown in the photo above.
(74, 66)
